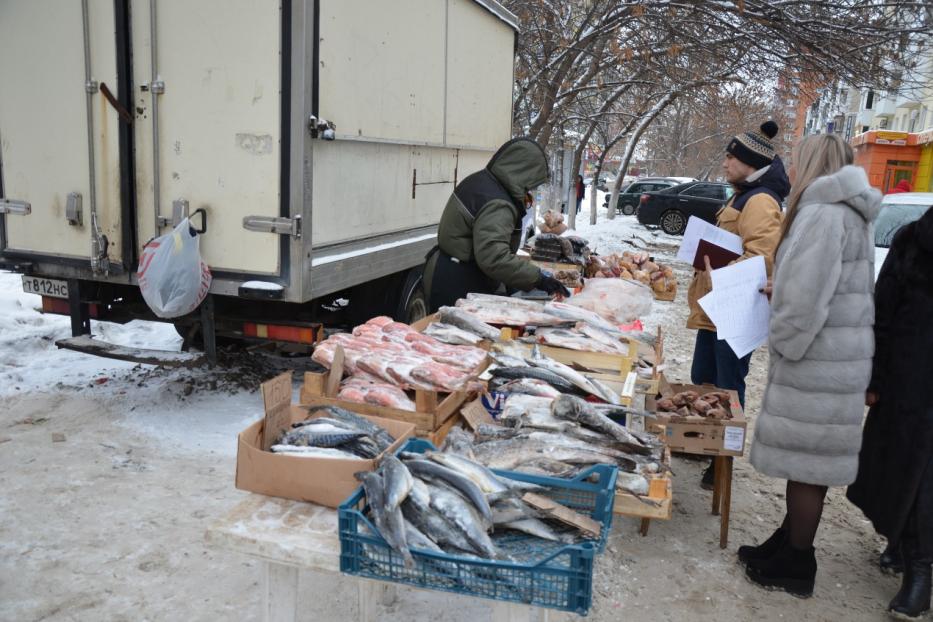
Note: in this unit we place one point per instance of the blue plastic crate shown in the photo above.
(545, 574)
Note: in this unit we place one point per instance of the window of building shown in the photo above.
(869, 99)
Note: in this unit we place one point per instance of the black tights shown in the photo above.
(804, 510)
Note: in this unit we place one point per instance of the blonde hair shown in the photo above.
(814, 157)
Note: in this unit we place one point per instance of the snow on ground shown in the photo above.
(157, 403)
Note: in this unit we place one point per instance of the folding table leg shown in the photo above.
(726, 501)
(645, 523)
(717, 485)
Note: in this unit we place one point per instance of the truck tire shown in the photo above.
(673, 222)
(413, 303)
(627, 209)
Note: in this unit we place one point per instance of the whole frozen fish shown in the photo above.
(632, 482)
(382, 438)
(465, 321)
(578, 314)
(461, 513)
(427, 469)
(534, 527)
(452, 335)
(529, 386)
(397, 481)
(319, 436)
(559, 382)
(574, 409)
(417, 509)
(304, 451)
(390, 523)
(417, 540)
(568, 373)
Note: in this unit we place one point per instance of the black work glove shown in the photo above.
(551, 285)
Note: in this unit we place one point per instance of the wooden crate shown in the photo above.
(665, 296)
(435, 410)
(657, 504)
(700, 435)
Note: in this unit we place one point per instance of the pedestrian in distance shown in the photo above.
(821, 345)
(754, 214)
(481, 229)
(894, 486)
(581, 191)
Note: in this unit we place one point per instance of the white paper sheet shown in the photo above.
(698, 229)
(740, 312)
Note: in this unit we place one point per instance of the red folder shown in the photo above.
(718, 256)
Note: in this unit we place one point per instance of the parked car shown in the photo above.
(670, 208)
(630, 195)
(897, 210)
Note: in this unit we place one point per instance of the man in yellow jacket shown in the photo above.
(754, 214)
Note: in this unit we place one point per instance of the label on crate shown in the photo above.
(493, 402)
(734, 438)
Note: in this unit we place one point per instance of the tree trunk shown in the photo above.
(632, 142)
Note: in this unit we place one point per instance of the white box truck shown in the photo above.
(314, 142)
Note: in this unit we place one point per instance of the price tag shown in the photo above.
(734, 438)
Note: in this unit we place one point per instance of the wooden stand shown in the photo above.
(722, 495)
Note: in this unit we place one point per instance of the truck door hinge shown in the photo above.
(271, 224)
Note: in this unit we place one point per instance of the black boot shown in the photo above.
(764, 550)
(709, 477)
(788, 569)
(913, 599)
(891, 562)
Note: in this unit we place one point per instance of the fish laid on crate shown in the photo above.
(560, 383)
(507, 313)
(468, 322)
(575, 314)
(571, 375)
(524, 386)
(575, 340)
(452, 335)
(438, 501)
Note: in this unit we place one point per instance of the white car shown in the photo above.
(897, 210)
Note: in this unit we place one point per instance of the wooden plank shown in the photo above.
(426, 402)
(437, 437)
(726, 501)
(475, 413)
(423, 423)
(563, 514)
(332, 384)
(163, 358)
(314, 383)
(657, 505)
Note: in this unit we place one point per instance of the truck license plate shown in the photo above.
(45, 287)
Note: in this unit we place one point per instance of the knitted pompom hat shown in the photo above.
(754, 148)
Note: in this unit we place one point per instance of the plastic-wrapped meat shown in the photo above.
(378, 394)
(444, 377)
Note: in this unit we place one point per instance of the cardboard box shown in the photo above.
(700, 435)
(325, 481)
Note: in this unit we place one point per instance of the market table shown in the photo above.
(288, 536)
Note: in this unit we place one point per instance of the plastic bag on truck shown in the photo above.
(172, 278)
(618, 300)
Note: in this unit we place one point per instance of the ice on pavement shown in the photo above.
(30, 362)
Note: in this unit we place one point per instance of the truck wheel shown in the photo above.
(413, 303)
(673, 222)
(628, 209)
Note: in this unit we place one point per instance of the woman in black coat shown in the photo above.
(894, 486)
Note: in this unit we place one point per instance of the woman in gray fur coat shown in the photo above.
(821, 345)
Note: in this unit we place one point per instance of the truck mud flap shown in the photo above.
(164, 358)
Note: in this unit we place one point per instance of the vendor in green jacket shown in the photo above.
(481, 228)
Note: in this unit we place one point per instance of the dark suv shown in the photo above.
(670, 208)
(629, 197)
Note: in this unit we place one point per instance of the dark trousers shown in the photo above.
(715, 363)
(454, 279)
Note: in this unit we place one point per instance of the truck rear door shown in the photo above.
(208, 125)
(59, 137)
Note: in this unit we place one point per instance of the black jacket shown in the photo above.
(896, 459)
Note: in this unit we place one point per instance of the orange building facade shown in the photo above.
(889, 157)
